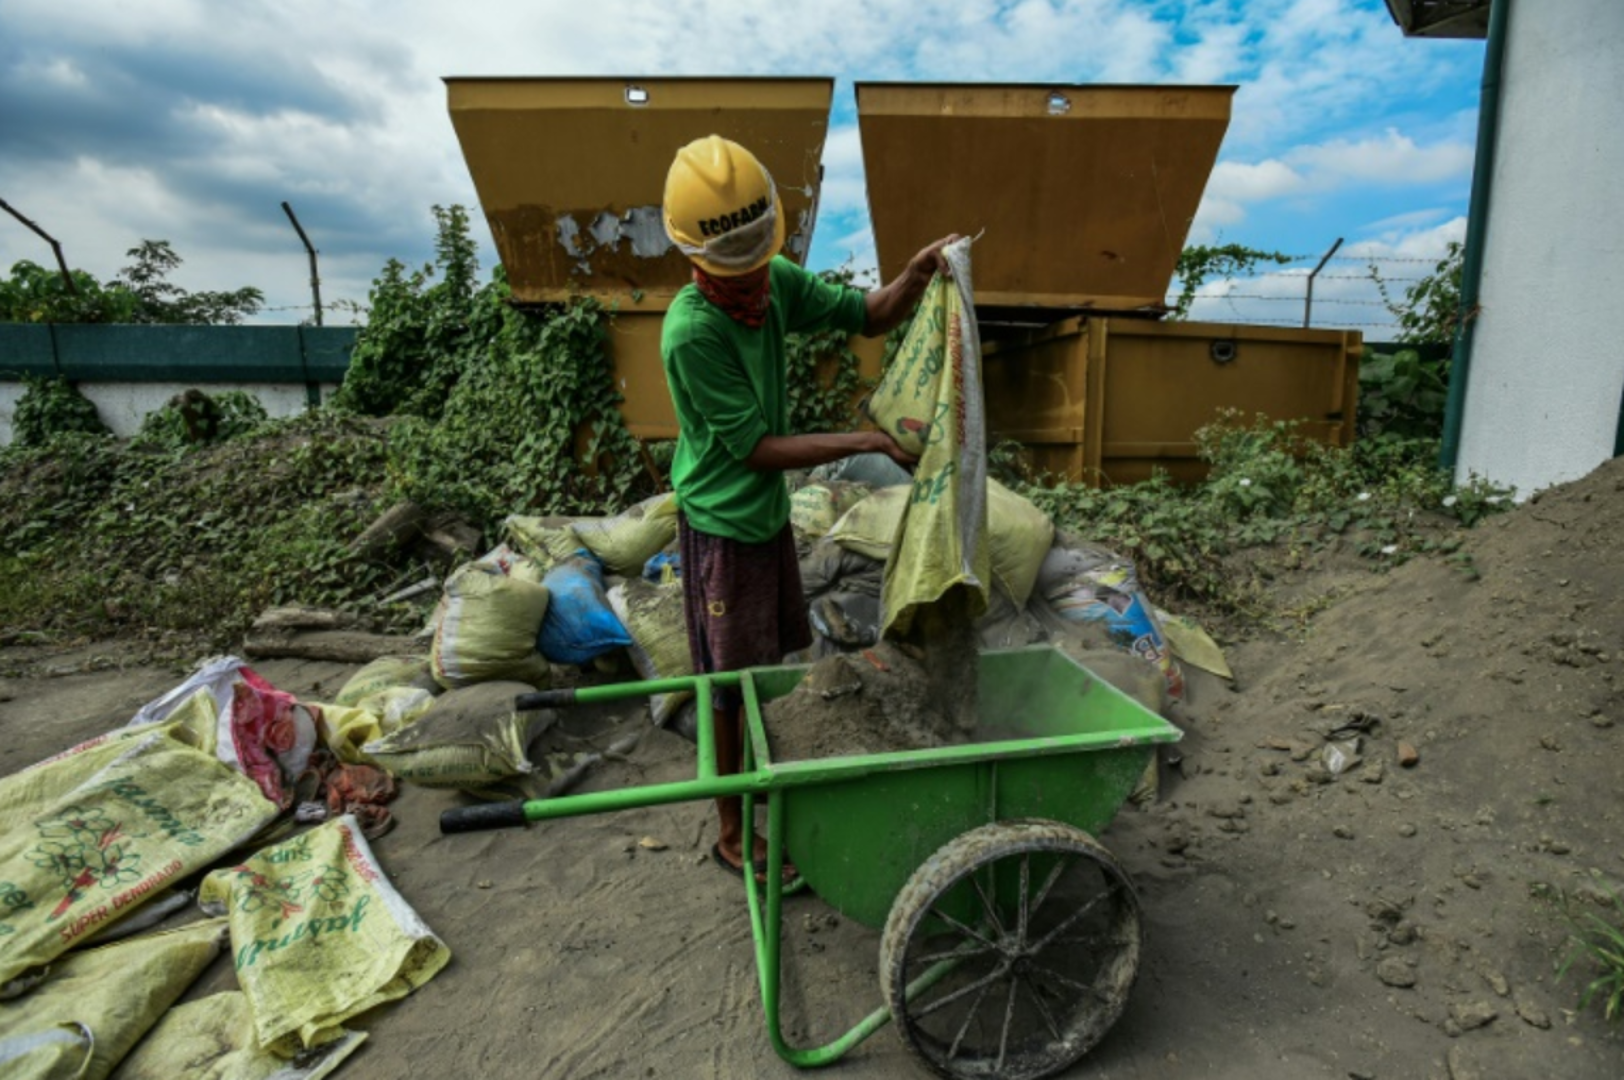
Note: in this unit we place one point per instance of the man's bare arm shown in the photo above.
(887, 307)
(784, 452)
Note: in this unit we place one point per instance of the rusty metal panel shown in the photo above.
(1086, 193)
(571, 171)
(1110, 400)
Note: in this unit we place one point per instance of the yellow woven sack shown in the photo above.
(213, 1039)
(468, 739)
(628, 540)
(908, 404)
(318, 935)
(1018, 533)
(29, 789)
(385, 673)
(487, 629)
(155, 814)
(652, 615)
(815, 508)
(108, 997)
(544, 539)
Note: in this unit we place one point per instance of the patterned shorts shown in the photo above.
(743, 603)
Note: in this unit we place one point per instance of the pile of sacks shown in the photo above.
(105, 846)
(563, 591)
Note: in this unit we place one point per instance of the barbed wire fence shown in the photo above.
(1219, 298)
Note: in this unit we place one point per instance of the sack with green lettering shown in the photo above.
(96, 1004)
(213, 1038)
(24, 792)
(318, 935)
(913, 403)
(155, 814)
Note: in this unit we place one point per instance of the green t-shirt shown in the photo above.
(727, 383)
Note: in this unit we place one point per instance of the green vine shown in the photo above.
(822, 382)
(1199, 262)
(50, 407)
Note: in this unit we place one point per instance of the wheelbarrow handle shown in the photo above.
(501, 815)
(544, 699)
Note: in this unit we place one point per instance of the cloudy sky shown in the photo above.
(192, 122)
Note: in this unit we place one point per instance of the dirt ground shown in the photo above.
(1381, 923)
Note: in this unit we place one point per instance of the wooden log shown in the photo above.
(400, 524)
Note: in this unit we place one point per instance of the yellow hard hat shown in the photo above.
(721, 208)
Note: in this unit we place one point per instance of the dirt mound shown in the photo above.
(873, 702)
(1417, 891)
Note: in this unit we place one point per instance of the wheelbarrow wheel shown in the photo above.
(1026, 935)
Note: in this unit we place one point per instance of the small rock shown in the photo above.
(1460, 1066)
(1396, 972)
(1497, 982)
(482, 884)
(1473, 1014)
(1601, 720)
(1373, 771)
(648, 843)
(1408, 756)
(1532, 1014)
(1406, 829)
(1550, 742)
(1402, 934)
(1342, 832)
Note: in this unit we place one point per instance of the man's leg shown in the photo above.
(730, 810)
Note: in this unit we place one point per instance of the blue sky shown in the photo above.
(191, 122)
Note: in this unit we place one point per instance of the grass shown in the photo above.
(1595, 943)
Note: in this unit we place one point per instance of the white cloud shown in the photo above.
(1252, 183)
(1392, 158)
(342, 105)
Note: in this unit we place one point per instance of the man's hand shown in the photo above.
(930, 260)
(885, 444)
(888, 306)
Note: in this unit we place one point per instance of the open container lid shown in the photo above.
(1085, 193)
(571, 171)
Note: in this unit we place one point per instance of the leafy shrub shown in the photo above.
(195, 417)
(50, 407)
(140, 293)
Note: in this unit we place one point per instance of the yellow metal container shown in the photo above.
(1084, 193)
(571, 171)
(1109, 400)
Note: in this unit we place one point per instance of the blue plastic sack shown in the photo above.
(579, 625)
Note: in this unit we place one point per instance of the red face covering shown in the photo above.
(744, 299)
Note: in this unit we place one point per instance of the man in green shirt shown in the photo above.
(723, 351)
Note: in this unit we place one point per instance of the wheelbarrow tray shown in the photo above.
(857, 826)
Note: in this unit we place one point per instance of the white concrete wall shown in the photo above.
(1542, 403)
(122, 406)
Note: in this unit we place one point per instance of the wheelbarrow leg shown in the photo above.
(767, 930)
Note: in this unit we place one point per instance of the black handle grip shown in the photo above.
(502, 815)
(544, 699)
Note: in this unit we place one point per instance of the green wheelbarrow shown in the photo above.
(1010, 936)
